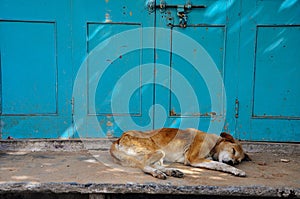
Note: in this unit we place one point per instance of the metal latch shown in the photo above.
(182, 10)
(181, 13)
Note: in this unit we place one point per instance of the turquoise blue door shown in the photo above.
(36, 79)
(191, 91)
(269, 71)
(113, 51)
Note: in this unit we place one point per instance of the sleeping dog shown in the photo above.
(148, 150)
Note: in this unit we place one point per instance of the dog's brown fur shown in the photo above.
(148, 150)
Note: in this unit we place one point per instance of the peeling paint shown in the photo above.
(107, 18)
(173, 113)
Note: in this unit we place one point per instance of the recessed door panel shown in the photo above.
(113, 83)
(36, 69)
(277, 74)
(109, 85)
(204, 36)
(29, 68)
(269, 82)
(190, 71)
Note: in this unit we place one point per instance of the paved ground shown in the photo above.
(272, 173)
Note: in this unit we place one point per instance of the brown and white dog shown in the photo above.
(148, 150)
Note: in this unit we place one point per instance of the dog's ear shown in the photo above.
(246, 158)
(227, 137)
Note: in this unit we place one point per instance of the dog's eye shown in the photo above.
(233, 151)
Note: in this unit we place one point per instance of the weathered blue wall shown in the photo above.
(92, 68)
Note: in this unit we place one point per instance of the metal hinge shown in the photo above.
(72, 104)
(237, 107)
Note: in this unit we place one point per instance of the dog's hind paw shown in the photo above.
(159, 174)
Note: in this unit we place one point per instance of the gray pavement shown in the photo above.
(85, 167)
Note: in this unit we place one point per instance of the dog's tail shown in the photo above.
(123, 158)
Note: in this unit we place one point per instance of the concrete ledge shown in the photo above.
(269, 147)
(55, 144)
(150, 188)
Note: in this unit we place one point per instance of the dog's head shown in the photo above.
(230, 151)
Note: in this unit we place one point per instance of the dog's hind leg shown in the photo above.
(152, 159)
(153, 166)
(154, 172)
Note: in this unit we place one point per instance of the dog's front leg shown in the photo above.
(218, 166)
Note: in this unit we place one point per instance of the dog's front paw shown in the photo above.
(239, 173)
